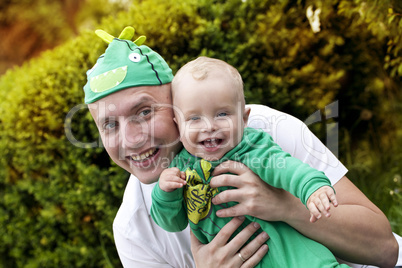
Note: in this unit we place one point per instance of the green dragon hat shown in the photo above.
(125, 64)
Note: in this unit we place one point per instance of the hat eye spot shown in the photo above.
(134, 57)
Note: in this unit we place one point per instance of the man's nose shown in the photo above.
(134, 134)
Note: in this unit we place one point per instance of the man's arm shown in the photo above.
(357, 219)
(357, 230)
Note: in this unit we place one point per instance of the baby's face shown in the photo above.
(210, 116)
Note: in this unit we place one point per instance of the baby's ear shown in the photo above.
(246, 114)
(177, 125)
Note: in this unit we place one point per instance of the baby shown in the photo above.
(211, 115)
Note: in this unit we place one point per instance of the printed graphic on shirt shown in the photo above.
(198, 193)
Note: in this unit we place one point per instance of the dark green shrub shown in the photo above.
(59, 200)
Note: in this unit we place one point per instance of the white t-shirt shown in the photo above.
(142, 243)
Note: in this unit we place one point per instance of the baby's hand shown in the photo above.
(319, 202)
(172, 179)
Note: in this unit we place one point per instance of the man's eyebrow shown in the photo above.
(102, 120)
(141, 101)
(135, 105)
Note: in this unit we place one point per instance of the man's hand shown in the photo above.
(255, 197)
(221, 253)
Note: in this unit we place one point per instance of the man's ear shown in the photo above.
(246, 114)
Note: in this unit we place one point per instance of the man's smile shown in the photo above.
(145, 155)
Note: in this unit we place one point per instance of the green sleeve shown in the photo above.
(167, 209)
(278, 168)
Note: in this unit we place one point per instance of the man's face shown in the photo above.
(209, 114)
(137, 129)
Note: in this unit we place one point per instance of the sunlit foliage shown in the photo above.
(59, 200)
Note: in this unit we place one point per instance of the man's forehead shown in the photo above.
(120, 105)
(133, 94)
(128, 101)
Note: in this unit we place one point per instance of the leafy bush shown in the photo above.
(59, 200)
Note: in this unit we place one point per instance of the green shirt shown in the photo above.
(192, 203)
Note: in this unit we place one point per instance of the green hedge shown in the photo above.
(59, 200)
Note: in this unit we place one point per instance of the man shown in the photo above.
(128, 94)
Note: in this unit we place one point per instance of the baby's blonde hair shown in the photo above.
(202, 66)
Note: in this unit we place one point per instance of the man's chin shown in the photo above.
(148, 181)
(147, 177)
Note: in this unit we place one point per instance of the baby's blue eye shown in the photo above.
(222, 114)
(193, 118)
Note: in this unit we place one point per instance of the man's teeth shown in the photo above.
(144, 155)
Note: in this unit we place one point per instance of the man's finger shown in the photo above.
(226, 232)
(226, 196)
(257, 257)
(251, 248)
(230, 167)
(225, 180)
(230, 212)
(241, 239)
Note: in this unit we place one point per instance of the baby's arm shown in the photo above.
(168, 209)
(319, 202)
(172, 179)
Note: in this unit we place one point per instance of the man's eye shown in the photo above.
(222, 114)
(109, 125)
(145, 112)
